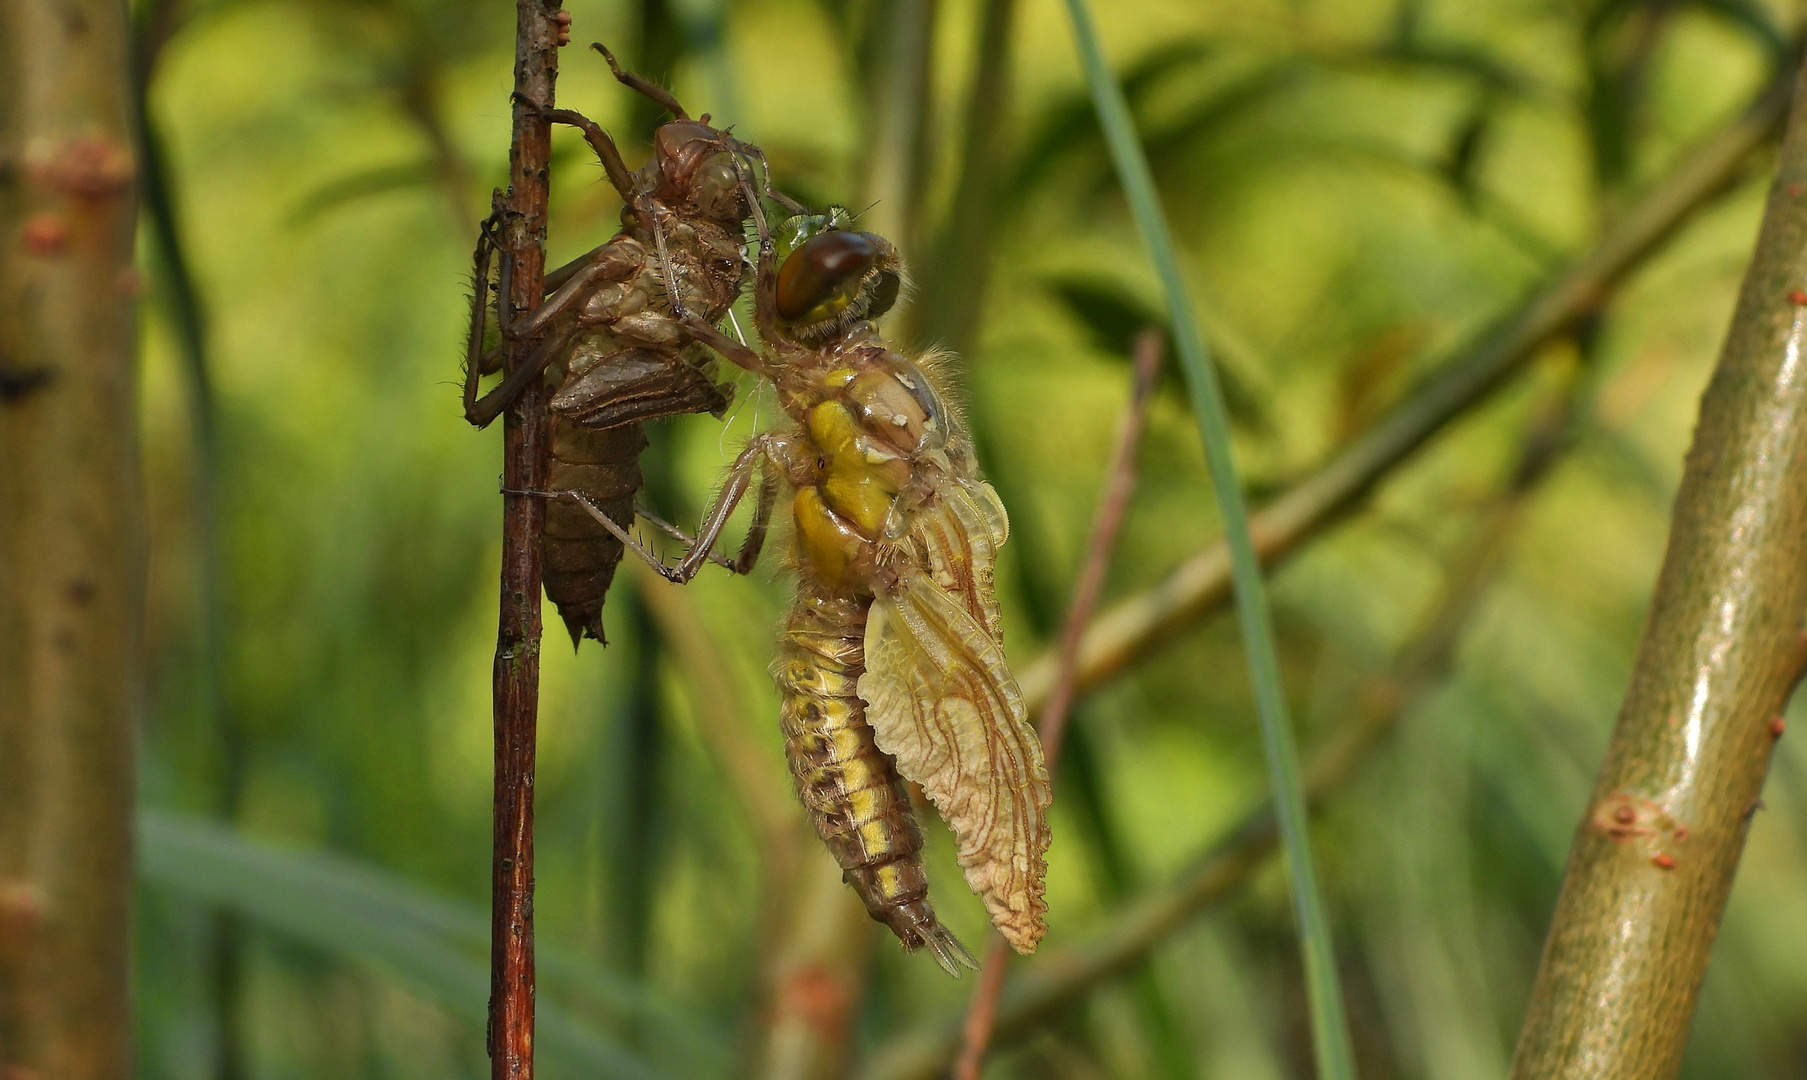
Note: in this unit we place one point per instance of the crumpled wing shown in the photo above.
(941, 700)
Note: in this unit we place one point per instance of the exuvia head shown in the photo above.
(701, 165)
(834, 277)
(692, 161)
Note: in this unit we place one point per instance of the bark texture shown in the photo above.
(1658, 845)
(526, 436)
(71, 539)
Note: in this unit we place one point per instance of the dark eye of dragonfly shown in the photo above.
(822, 278)
(883, 293)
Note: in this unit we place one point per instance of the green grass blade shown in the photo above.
(433, 944)
(1330, 1028)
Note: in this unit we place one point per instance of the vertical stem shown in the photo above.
(1113, 507)
(1658, 844)
(71, 539)
(525, 435)
(818, 978)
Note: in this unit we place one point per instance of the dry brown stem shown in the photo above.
(1107, 520)
(1658, 844)
(71, 539)
(517, 666)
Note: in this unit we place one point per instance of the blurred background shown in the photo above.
(1360, 188)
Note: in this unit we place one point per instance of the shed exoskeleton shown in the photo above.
(611, 336)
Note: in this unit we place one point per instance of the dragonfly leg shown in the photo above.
(474, 358)
(790, 205)
(739, 476)
(756, 532)
(483, 412)
(679, 535)
(762, 520)
(604, 146)
(765, 289)
(727, 347)
(555, 279)
(765, 303)
(628, 540)
(572, 292)
(669, 272)
(634, 82)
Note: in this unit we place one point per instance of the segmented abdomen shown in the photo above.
(852, 790)
(579, 554)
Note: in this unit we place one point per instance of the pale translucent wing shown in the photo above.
(941, 700)
(957, 544)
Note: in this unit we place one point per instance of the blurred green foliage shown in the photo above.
(1355, 184)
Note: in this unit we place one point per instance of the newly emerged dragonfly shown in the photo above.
(892, 667)
(611, 334)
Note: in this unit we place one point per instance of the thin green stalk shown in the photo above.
(1329, 1026)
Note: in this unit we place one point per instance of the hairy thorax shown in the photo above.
(871, 450)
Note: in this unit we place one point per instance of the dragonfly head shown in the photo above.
(832, 277)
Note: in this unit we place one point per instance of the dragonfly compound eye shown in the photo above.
(836, 276)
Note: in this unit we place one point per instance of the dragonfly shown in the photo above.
(611, 333)
(891, 666)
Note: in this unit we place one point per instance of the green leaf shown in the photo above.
(435, 945)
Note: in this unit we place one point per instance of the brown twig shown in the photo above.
(1132, 629)
(517, 665)
(982, 1013)
(817, 977)
(72, 539)
(1057, 980)
(1658, 844)
(1113, 505)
